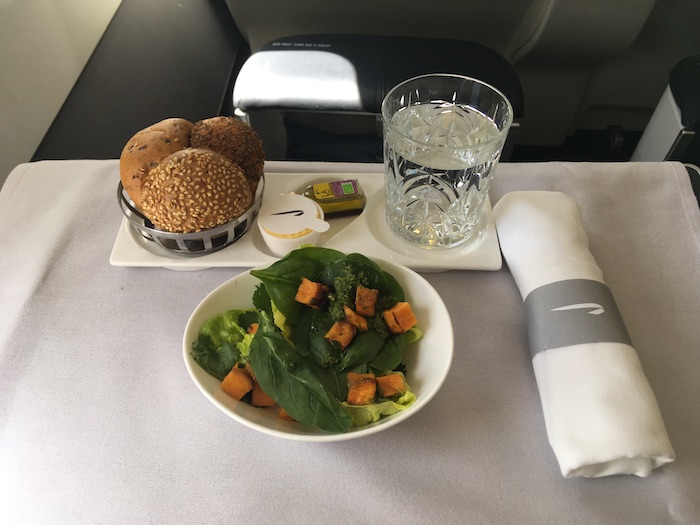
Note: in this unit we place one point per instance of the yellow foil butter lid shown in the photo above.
(289, 220)
(340, 196)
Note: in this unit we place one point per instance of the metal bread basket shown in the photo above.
(192, 244)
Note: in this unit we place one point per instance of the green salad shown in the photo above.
(313, 344)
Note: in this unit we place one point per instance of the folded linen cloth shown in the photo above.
(600, 413)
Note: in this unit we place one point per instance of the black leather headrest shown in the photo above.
(684, 81)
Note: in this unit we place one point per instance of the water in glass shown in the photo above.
(438, 159)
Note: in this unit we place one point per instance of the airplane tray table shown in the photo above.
(101, 423)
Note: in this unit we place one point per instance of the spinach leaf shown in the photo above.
(302, 331)
(391, 354)
(284, 375)
(248, 318)
(395, 289)
(366, 272)
(282, 278)
(324, 352)
(336, 383)
(261, 299)
(310, 337)
(363, 348)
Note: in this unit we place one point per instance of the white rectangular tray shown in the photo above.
(366, 233)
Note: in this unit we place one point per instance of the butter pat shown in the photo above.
(289, 220)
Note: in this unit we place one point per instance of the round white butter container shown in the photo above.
(289, 220)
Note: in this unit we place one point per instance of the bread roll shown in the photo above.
(147, 148)
(194, 189)
(235, 140)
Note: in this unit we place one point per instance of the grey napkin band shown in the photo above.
(573, 312)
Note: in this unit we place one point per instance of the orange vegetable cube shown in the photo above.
(361, 388)
(311, 293)
(283, 414)
(365, 301)
(249, 370)
(400, 318)
(342, 332)
(237, 383)
(357, 321)
(259, 398)
(391, 384)
(253, 329)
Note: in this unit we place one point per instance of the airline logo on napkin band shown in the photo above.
(573, 312)
(595, 309)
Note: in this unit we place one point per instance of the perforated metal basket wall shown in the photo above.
(196, 243)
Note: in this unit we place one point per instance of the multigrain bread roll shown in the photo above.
(194, 189)
(147, 148)
(235, 140)
(166, 168)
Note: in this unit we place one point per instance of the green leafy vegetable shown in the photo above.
(390, 355)
(363, 349)
(365, 414)
(285, 376)
(223, 342)
(324, 352)
(282, 278)
(261, 299)
(293, 362)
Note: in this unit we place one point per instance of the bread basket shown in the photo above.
(192, 244)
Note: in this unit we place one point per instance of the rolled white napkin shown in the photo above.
(601, 415)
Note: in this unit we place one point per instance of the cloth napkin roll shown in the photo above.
(600, 413)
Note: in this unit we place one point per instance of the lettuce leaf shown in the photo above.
(365, 414)
(222, 342)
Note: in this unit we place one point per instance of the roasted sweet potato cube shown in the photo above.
(391, 322)
(365, 301)
(311, 293)
(342, 332)
(391, 384)
(249, 370)
(361, 388)
(237, 383)
(283, 414)
(252, 329)
(400, 318)
(357, 321)
(259, 398)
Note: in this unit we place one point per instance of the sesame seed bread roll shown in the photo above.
(147, 148)
(195, 189)
(235, 140)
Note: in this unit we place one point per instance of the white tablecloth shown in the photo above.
(100, 422)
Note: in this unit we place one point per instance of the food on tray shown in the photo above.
(288, 220)
(342, 332)
(365, 300)
(311, 353)
(235, 140)
(168, 160)
(391, 384)
(237, 383)
(399, 318)
(311, 294)
(361, 388)
(342, 196)
(147, 148)
(194, 189)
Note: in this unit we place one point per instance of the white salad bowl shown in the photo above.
(427, 360)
